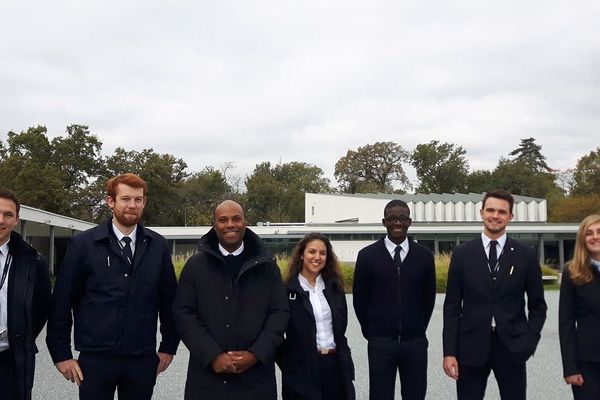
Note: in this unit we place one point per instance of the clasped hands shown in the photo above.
(233, 362)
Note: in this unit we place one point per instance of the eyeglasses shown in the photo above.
(403, 219)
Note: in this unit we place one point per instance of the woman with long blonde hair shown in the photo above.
(579, 313)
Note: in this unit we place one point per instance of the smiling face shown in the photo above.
(314, 257)
(127, 207)
(230, 225)
(397, 221)
(592, 240)
(496, 215)
(8, 218)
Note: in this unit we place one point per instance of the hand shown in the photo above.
(242, 360)
(164, 362)
(70, 370)
(575, 380)
(451, 367)
(223, 364)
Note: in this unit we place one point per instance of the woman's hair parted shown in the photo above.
(331, 270)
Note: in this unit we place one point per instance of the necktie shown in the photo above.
(127, 249)
(397, 258)
(398, 264)
(493, 257)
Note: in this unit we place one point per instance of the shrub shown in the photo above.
(442, 262)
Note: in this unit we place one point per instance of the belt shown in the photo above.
(325, 352)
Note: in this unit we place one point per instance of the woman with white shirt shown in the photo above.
(314, 357)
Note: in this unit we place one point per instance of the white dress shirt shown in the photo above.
(4, 295)
(120, 237)
(321, 311)
(391, 247)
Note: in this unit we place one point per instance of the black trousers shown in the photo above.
(330, 383)
(591, 382)
(132, 376)
(408, 357)
(8, 380)
(510, 375)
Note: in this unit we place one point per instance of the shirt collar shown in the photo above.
(593, 263)
(120, 234)
(235, 253)
(486, 240)
(4, 248)
(320, 284)
(391, 246)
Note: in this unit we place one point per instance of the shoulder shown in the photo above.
(154, 236)
(375, 247)
(419, 248)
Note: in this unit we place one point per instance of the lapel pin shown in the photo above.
(292, 296)
(511, 269)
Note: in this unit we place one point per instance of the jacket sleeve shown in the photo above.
(190, 326)
(452, 306)
(428, 290)
(567, 318)
(167, 288)
(360, 293)
(42, 295)
(536, 305)
(276, 322)
(67, 288)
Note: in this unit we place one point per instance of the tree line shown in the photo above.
(66, 175)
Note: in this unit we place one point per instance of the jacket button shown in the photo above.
(126, 275)
(227, 325)
(225, 382)
(226, 297)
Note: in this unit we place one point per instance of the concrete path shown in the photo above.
(544, 371)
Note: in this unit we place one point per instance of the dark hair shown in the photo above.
(396, 203)
(127, 179)
(331, 270)
(500, 194)
(10, 195)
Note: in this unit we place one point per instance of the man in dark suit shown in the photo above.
(115, 282)
(485, 325)
(24, 296)
(394, 295)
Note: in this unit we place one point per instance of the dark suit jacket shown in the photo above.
(579, 323)
(472, 298)
(28, 299)
(297, 356)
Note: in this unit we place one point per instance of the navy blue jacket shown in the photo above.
(375, 292)
(113, 312)
(28, 298)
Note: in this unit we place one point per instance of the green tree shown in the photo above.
(440, 167)
(202, 192)
(518, 178)
(574, 208)
(27, 168)
(530, 154)
(372, 168)
(164, 174)
(480, 181)
(276, 193)
(587, 174)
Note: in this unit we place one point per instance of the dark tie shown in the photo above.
(493, 257)
(397, 258)
(127, 249)
(398, 264)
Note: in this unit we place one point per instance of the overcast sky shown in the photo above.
(252, 81)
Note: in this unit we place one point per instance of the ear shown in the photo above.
(110, 202)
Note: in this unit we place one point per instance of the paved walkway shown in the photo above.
(544, 371)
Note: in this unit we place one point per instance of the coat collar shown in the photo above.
(105, 231)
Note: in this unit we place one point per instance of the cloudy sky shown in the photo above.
(263, 80)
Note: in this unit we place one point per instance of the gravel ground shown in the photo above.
(544, 370)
